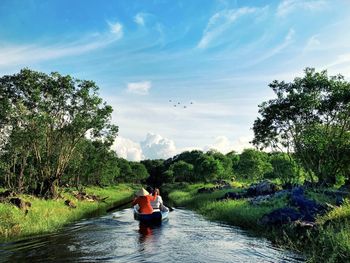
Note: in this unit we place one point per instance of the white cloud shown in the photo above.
(224, 145)
(340, 60)
(289, 38)
(116, 28)
(30, 53)
(312, 43)
(128, 149)
(140, 19)
(140, 88)
(288, 6)
(220, 22)
(156, 147)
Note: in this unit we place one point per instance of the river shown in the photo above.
(117, 237)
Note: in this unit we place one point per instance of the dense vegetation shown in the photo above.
(311, 118)
(328, 242)
(56, 131)
(50, 215)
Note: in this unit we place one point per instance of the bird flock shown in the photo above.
(179, 104)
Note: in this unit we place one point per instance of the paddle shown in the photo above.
(168, 206)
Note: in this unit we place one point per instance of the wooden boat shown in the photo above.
(156, 217)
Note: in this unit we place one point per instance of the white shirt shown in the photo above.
(157, 203)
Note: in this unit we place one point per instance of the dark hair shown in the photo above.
(149, 189)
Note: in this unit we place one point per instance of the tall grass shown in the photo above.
(50, 215)
(236, 212)
(328, 242)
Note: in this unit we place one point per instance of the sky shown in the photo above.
(180, 74)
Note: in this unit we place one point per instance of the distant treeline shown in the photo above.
(56, 130)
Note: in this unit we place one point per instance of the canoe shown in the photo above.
(156, 217)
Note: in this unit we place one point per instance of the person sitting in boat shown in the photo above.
(157, 204)
(143, 200)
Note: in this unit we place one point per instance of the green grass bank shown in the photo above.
(329, 241)
(50, 215)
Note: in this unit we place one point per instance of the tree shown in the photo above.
(139, 172)
(311, 118)
(155, 168)
(125, 171)
(182, 171)
(49, 116)
(234, 156)
(208, 168)
(285, 168)
(253, 164)
(226, 163)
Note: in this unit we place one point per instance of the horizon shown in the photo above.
(212, 59)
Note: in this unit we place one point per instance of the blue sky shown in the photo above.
(219, 55)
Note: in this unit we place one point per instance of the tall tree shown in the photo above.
(53, 113)
(182, 171)
(310, 117)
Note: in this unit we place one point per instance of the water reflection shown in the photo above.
(117, 237)
(145, 232)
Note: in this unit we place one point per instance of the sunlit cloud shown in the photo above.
(30, 53)
(224, 145)
(289, 38)
(312, 43)
(140, 19)
(288, 6)
(140, 88)
(221, 22)
(116, 28)
(157, 147)
(127, 149)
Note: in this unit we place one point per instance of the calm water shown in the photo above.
(117, 237)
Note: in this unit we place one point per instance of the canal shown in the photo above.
(117, 237)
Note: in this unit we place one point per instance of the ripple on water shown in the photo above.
(117, 237)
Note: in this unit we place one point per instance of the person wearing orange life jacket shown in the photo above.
(143, 199)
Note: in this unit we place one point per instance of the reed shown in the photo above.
(328, 242)
(50, 215)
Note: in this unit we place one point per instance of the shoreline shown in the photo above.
(47, 216)
(328, 241)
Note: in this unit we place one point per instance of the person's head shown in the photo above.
(150, 189)
(142, 192)
(156, 190)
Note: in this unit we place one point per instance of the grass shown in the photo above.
(50, 215)
(236, 212)
(328, 242)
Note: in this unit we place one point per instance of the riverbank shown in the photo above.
(327, 241)
(45, 216)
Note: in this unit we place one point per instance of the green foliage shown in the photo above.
(139, 172)
(156, 169)
(234, 156)
(253, 164)
(328, 242)
(49, 215)
(310, 117)
(182, 171)
(285, 169)
(208, 168)
(236, 212)
(226, 162)
(49, 115)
